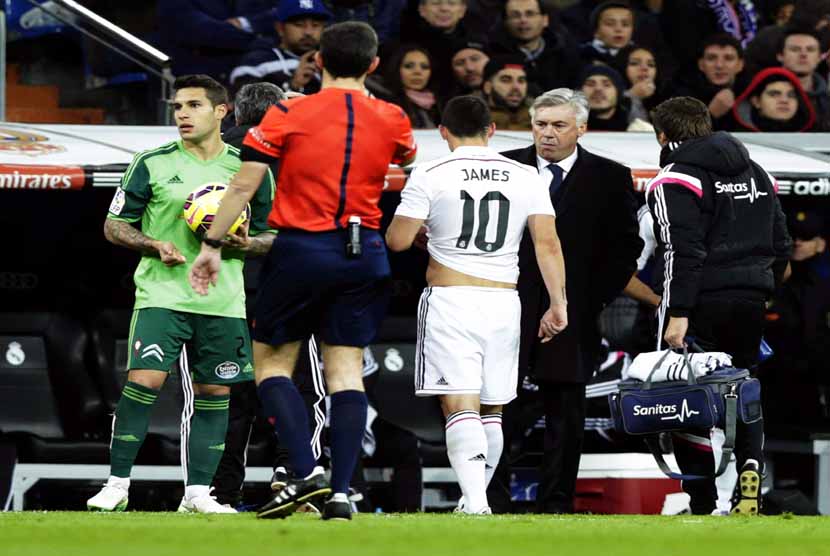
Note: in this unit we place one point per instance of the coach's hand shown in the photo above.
(554, 321)
(205, 269)
(169, 254)
(676, 331)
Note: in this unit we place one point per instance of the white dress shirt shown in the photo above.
(566, 164)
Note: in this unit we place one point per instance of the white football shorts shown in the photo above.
(468, 343)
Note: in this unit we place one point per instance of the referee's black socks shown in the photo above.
(348, 423)
(284, 406)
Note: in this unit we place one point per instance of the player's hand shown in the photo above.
(722, 103)
(421, 238)
(236, 23)
(205, 269)
(643, 89)
(554, 321)
(676, 331)
(169, 254)
(304, 72)
(239, 240)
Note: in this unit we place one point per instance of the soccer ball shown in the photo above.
(202, 205)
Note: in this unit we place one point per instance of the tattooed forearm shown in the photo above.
(125, 235)
(260, 244)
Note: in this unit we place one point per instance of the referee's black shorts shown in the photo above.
(309, 286)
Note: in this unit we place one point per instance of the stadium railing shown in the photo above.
(117, 40)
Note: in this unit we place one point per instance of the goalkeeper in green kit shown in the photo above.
(207, 334)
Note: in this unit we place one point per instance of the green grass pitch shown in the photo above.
(160, 534)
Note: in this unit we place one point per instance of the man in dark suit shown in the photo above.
(597, 224)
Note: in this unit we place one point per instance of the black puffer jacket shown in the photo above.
(718, 224)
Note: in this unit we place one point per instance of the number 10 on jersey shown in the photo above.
(469, 221)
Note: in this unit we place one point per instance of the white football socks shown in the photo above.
(495, 444)
(193, 491)
(467, 451)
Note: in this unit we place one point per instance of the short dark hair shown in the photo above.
(596, 13)
(722, 40)
(466, 116)
(791, 30)
(253, 100)
(348, 48)
(539, 5)
(682, 118)
(214, 91)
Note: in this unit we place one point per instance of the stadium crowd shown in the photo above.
(627, 56)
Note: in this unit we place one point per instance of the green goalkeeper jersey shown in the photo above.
(153, 190)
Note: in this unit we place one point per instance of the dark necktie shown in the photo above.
(558, 174)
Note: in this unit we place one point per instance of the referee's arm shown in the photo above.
(240, 191)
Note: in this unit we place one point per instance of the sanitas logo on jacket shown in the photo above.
(748, 191)
(721, 187)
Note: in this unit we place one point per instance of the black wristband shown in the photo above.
(215, 243)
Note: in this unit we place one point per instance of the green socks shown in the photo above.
(132, 416)
(207, 437)
(206, 441)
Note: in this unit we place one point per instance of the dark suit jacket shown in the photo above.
(596, 219)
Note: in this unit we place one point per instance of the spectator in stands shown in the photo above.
(763, 51)
(774, 101)
(551, 56)
(613, 25)
(717, 79)
(577, 20)
(210, 36)
(779, 12)
(800, 52)
(505, 88)
(290, 65)
(638, 66)
(383, 15)
(687, 23)
(408, 77)
(604, 87)
(468, 60)
(438, 26)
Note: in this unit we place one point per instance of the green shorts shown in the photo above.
(218, 349)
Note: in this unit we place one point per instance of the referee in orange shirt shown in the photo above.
(329, 273)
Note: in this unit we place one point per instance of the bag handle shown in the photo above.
(691, 379)
(731, 408)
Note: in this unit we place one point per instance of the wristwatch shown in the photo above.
(215, 243)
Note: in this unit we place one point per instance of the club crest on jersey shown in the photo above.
(227, 370)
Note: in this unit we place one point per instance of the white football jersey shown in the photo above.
(475, 203)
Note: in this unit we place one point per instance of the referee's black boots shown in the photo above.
(296, 493)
